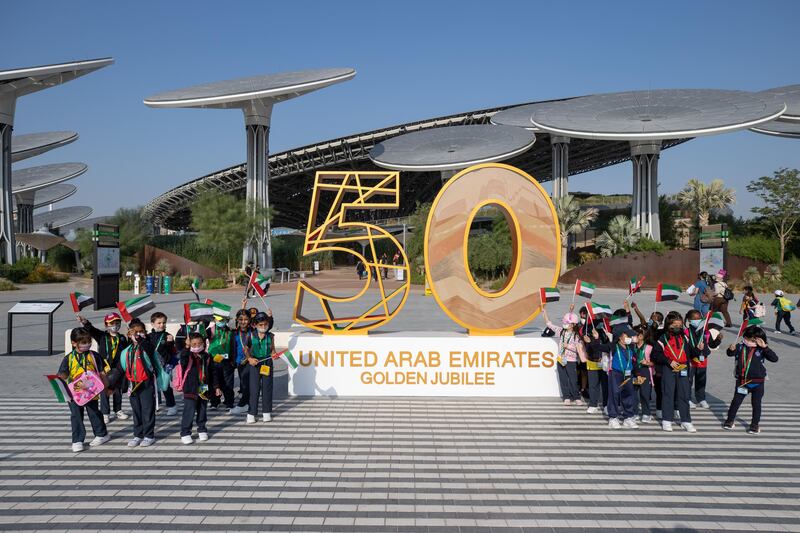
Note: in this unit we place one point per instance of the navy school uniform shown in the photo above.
(241, 339)
(750, 375)
(596, 376)
(260, 381)
(137, 363)
(621, 399)
(698, 370)
(674, 383)
(646, 373)
(167, 353)
(109, 347)
(185, 330)
(73, 365)
(221, 346)
(198, 385)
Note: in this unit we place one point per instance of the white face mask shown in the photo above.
(749, 343)
(84, 347)
(196, 349)
(159, 329)
(221, 324)
(114, 328)
(628, 340)
(583, 321)
(262, 330)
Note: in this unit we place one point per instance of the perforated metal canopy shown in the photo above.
(451, 148)
(660, 114)
(790, 95)
(61, 217)
(21, 81)
(34, 178)
(40, 239)
(520, 116)
(52, 194)
(33, 144)
(234, 93)
(779, 128)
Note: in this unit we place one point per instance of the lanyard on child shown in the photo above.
(80, 360)
(160, 338)
(676, 357)
(640, 354)
(114, 345)
(617, 352)
(691, 337)
(746, 370)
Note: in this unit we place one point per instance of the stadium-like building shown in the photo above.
(291, 173)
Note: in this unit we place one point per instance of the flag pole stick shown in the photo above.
(264, 301)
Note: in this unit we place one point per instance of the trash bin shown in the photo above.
(167, 284)
(148, 284)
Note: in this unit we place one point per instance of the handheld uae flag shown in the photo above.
(549, 294)
(714, 321)
(79, 301)
(584, 288)
(635, 285)
(259, 283)
(59, 388)
(749, 322)
(195, 287)
(596, 311)
(619, 321)
(219, 309)
(130, 309)
(287, 356)
(196, 312)
(665, 293)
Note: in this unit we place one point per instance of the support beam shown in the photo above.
(560, 165)
(7, 244)
(257, 120)
(644, 209)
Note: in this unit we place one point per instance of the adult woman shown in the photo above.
(720, 303)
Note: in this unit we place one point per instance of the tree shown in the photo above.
(620, 237)
(700, 198)
(571, 219)
(666, 219)
(134, 230)
(781, 196)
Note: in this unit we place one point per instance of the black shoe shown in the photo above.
(728, 424)
(753, 429)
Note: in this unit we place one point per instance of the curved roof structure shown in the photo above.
(58, 218)
(52, 194)
(34, 178)
(779, 128)
(520, 116)
(292, 171)
(789, 95)
(653, 115)
(451, 148)
(33, 144)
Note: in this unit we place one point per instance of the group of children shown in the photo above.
(201, 361)
(620, 370)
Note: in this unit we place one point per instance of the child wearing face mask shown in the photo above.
(223, 364)
(570, 350)
(698, 369)
(621, 396)
(82, 359)
(750, 374)
(165, 348)
(643, 370)
(110, 344)
(199, 384)
(241, 339)
(597, 377)
(673, 352)
(138, 363)
(259, 354)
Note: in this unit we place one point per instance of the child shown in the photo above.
(109, 345)
(571, 349)
(197, 379)
(241, 339)
(138, 362)
(182, 337)
(223, 364)
(643, 368)
(82, 359)
(783, 311)
(698, 369)
(673, 352)
(596, 376)
(259, 357)
(621, 400)
(749, 303)
(165, 347)
(750, 374)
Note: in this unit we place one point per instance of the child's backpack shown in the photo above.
(786, 305)
(759, 310)
(179, 375)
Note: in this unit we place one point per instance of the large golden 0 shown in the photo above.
(534, 236)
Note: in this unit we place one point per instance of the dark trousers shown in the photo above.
(721, 304)
(659, 390)
(95, 419)
(675, 389)
(595, 387)
(756, 395)
(568, 378)
(169, 397)
(224, 376)
(116, 399)
(698, 377)
(621, 398)
(143, 405)
(244, 384)
(194, 409)
(786, 317)
(259, 384)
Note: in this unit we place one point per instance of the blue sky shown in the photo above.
(414, 60)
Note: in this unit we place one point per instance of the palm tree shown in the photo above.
(701, 199)
(571, 219)
(620, 236)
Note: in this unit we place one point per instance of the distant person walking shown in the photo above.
(783, 311)
(722, 295)
(702, 293)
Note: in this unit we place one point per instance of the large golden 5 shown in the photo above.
(535, 240)
(354, 191)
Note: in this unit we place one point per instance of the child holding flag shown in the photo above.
(571, 349)
(223, 364)
(750, 374)
(698, 369)
(165, 348)
(82, 359)
(621, 397)
(241, 339)
(673, 352)
(259, 354)
(139, 363)
(597, 377)
(198, 381)
(643, 368)
(109, 345)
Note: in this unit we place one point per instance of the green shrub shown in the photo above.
(125, 284)
(61, 258)
(587, 257)
(17, 272)
(647, 244)
(181, 283)
(755, 247)
(791, 271)
(42, 273)
(6, 285)
(751, 275)
(214, 283)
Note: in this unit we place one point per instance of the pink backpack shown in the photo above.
(179, 376)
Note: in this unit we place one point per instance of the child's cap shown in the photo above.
(722, 273)
(778, 292)
(218, 318)
(112, 317)
(570, 318)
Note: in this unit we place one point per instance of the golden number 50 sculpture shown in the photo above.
(534, 238)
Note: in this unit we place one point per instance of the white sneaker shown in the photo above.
(251, 419)
(692, 405)
(592, 410)
(121, 415)
(148, 442)
(658, 414)
(666, 426)
(267, 417)
(159, 407)
(567, 402)
(97, 441)
(605, 410)
(240, 410)
(77, 447)
(703, 404)
(613, 423)
(106, 419)
(688, 426)
(187, 439)
(202, 436)
(134, 442)
(676, 415)
(646, 419)
(776, 332)
(630, 423)
(172, 411)
(578, 402)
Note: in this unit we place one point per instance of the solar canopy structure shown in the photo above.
(27, 182)
(255, 96)
(33, 144)
(58, 218)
